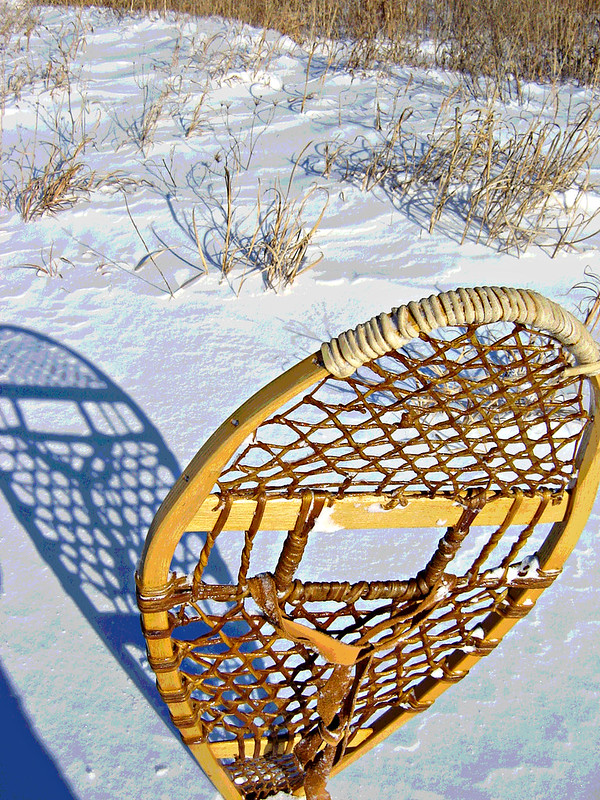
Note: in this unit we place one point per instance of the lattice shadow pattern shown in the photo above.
(84, 471)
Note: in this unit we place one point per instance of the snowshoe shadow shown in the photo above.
(41, 777)
(84, 471)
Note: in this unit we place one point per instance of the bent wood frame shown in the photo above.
(176, 516)
(189, 506)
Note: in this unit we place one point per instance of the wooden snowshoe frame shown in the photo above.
(474, 412)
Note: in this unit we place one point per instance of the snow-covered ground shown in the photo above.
(116, 366)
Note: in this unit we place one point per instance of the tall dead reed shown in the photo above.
(281, 240)
(510, 186)
(273, 239)
(57, 184)
(487, 178)
(499, 40)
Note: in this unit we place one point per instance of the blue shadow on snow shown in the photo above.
(84, 471)
(26, 770)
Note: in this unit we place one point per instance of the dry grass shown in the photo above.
(488, 178)
(497, 181)
(536, 40)
(49, 266)
(143, 128)
(382, 160)
(508, 184)
(53, 186)
(37, 189)
(244, 140)
(500, 40)
(273, 239)
(150, 255)
(589, 307)
(281, 240)
(17, 20)
(195, 123)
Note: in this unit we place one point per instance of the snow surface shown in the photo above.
(118, 383)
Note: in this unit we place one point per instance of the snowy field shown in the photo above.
(123, 345)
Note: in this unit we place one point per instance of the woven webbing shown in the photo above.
(456, 409)
(252, 684)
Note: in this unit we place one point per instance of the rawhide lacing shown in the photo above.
(483, 305)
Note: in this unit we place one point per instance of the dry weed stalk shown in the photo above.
(196, 119)
(281, 239)
(48, 266)
(243, 142)
(142, 129)
(590, 305)
(150, 254)
(504, 42)
(231, 249)
(57, 185)
(198, 244)
(382, 160)
(228, 258)
(280, 249)
(506, 183)
(278, 240)
(332, 152)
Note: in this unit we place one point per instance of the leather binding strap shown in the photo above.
(325, 742)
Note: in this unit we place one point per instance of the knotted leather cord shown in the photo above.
(320, 748)
(323, 746)
(264, 593)
(497, 536)
(331, 726)
(317, 765)
(210, 540)
(414, 630)
(249, 539)
(311, 506)
(527, 531)
(452, 540)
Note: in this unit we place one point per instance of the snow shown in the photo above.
(325, 522)
(127, 363)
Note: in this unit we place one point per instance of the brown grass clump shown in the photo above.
(508, 184)
(17, 20)
(54, 186)
(484, 177)
(274, 239)
(515, 40)
(534, 40)
(36, 188)
(279, 247)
